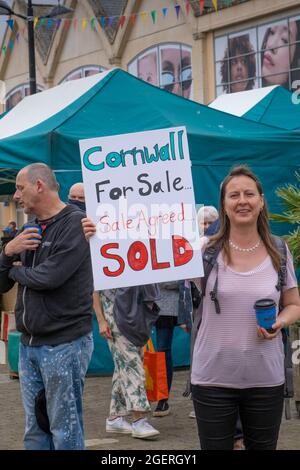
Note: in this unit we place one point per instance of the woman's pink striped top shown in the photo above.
(228, 352)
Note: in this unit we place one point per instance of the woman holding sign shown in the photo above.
(238, 357)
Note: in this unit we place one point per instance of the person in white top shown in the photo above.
(238, 366)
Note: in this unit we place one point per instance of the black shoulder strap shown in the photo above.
(282, 273)
(209, 260)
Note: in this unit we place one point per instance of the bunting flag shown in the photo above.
(164, 11)
(10, 24)
(112, 21)
(17, 36)
(11, 44)
(122, 21)
(144, 16)
(215, 4)
(132, 19)
(92, 23)
(153, 16)
(187, 7)
(84, 24)
(201, 5)
(67, 24)
(177, 9)
(4, 50)
(102, 22)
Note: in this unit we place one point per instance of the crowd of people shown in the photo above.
(237, 367)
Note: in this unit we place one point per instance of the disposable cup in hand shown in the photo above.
(33, 225)
(265, 310)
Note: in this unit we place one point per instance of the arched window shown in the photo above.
(82, 72)
(168, 66)
(17, 94)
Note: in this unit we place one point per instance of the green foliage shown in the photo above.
(290, 195)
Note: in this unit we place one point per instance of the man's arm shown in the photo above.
(68, 253)
(5, 265)
(10, 253)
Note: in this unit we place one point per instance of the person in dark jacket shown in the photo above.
(53, 309)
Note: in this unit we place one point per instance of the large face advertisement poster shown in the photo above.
(236, 66)
(168, 66)
(266, 55)
(139, 193)
(279, 52)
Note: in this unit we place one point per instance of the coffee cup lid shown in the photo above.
(264, 303)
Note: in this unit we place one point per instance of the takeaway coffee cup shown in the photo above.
(33, 225)
(265, 310)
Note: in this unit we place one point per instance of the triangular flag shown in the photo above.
(122, 21)
(102, 21)
(177, 9)
(201, 4)
(10, 24)
(84, 23)
(4, 50)
(17, 36)
(132, 19)
(153, 15)
(35, 21)
(144, 16)
(92, 23)
(187, 7)
(42, 21)
(50, 23)
(164, 11)
(58, 23)
(215, 4)
(11, 44)
(111, 21)
(67, 24)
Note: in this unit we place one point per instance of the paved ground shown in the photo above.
(178, 431)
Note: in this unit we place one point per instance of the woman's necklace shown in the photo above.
(244, 250)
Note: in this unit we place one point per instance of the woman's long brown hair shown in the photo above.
(222, 237)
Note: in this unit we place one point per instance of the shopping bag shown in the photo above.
(155, 373)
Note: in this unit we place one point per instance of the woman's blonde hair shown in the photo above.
(222, 237)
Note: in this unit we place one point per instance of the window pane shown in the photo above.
(147, 67)
(176, 70)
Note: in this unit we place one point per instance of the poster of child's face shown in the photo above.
(236, 62)
(147, 67)
(280, 51)
(176, 70)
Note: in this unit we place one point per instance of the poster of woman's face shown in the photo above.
(167, 66)
(236, 62)
(280, 51)
(176, 70)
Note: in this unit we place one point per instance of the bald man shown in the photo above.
(53, 310)
(76, 196)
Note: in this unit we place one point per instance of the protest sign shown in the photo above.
(139, 193)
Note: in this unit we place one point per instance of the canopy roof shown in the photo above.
(274, 106)
(47, 127)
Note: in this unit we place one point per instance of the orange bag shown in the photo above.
(155, 373)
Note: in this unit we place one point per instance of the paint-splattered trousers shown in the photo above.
(60, 370)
